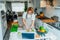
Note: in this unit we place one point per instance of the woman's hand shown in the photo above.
(26, 27)
(32, 27)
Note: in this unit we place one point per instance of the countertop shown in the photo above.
(51, 22)
(46, 19)
(16, 36)
(50, 35)
(53, 33)
(51, 28)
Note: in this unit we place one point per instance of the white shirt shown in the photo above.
(28, 16)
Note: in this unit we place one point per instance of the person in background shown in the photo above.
(29, 18)
(36, 13)
(41, 14)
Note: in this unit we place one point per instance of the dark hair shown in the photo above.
(41, 12)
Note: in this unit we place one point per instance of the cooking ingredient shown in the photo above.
(19, 33)
(32, 30)
(37, 36)
(41, 28)
(27, 30)
(42, 31)
(14, 28)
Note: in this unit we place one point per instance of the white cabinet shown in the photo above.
(1, 37)
(3, 22)
(42, 3)
(17, 0)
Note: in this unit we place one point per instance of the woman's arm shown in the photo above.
(24, 21)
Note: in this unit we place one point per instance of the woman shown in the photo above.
(29, 18)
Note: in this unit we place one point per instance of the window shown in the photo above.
(18, 7)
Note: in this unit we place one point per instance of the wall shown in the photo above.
(57, 12)
(49, 12)
(8, 5)
(30, 5)
(2, 0)
(53, 11)
(13, 0)
(17, 0)
(36, 3)
(2, 6)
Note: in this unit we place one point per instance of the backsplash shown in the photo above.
(52, 12)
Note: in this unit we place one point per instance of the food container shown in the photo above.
(28, 35)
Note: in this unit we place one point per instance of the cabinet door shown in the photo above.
(4, 25)
(42, 3)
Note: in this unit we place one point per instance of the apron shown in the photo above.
(28, 21)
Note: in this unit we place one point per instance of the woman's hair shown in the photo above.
(30, 9)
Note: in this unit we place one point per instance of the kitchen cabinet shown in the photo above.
(56, 3)
(3, 25)
(42, 3)
(3, 22)
(17, 0)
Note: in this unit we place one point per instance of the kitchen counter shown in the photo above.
(46, 19)
(51, 22)
(51, 28)
(18, 36)
(49, 36)
(53, 33)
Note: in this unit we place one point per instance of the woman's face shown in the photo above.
(29, 12)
